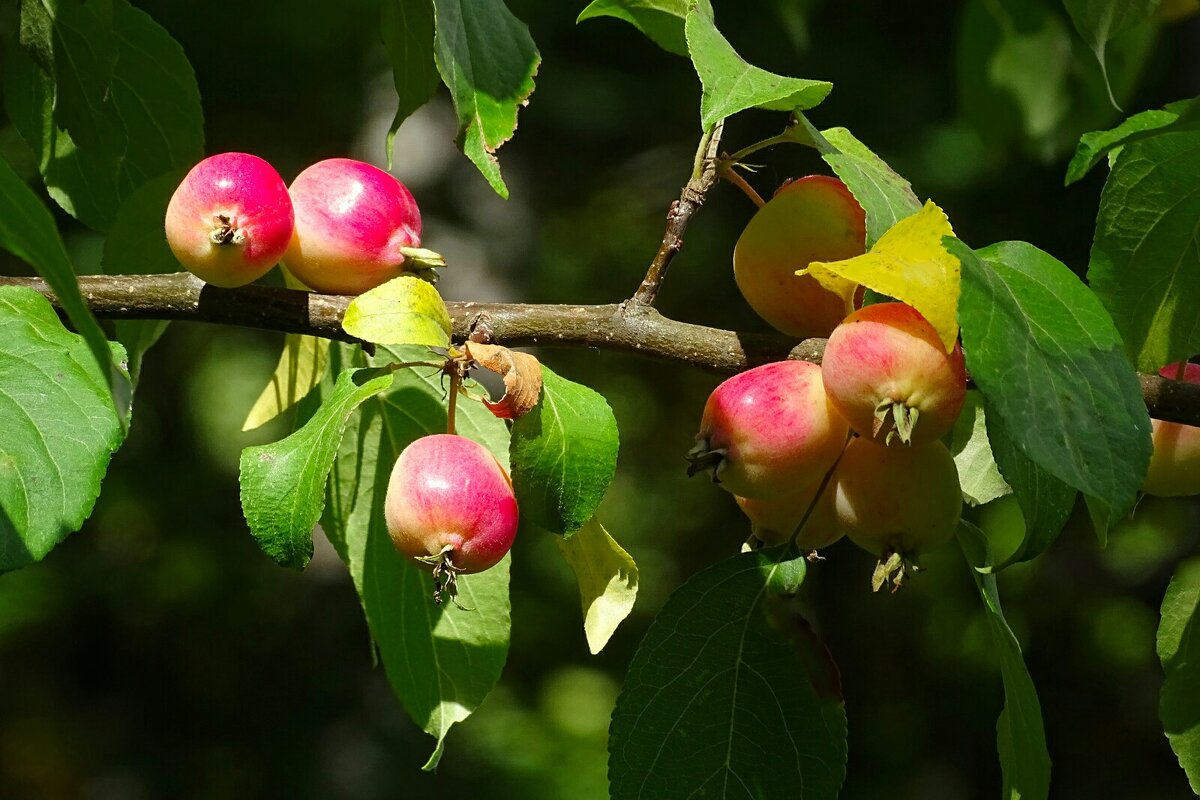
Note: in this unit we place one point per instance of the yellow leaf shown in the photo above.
(608, 580)
(301, 368)
(405, 310)
(911, 264)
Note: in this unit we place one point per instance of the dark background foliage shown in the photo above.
(158, 653)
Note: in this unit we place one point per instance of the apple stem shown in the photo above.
(728, 173)
(825, 480)
(455, 385)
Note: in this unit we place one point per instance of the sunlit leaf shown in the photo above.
(911, 264)
(977, 471)
(487, 59)
(60, 428)
(607, 577)
(1184, 115)
(661, 20)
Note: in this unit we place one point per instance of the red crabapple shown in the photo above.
(450, 507)
(356, 227)
(1175, 463)
(810, 219)
(897, 501)
(230, 219)
(886, 372)
(769, 431)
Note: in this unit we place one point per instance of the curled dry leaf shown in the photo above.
(522, 375)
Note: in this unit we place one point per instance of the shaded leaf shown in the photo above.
(440, 660)
(1099, 21)
(1020, 734)
(716, 702)
(59, 426)
(660, 20)
(911, 264)
(731, 84)
(283, 483)
(1145, 261)
(1184, 115)
(1049, 362)
(564, 455)
(607, 577)
(27, 231)
(1179, 652)
(405, 310)
(407, 30)
(487, 60)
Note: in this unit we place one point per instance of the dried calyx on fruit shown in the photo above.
(450, 508)
(769, 431)
(230, 219)
(356, 228)
(888, 373)
(810, 219)
(897, 502)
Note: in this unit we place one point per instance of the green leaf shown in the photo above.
(1045, 501)
(607, 577)
(59, 428)
(732, 85)
(731, 694)
(1049, 362)
(157, 105)
(407, 29)
(1179, 651)
(885, 196)
(564, 455)
(1020, 734)
(74, 43)
(1181, 116)
(405, 310)
(661, 20)
(1099, 21)
(301, 368)
(977, 471)
(487, 60)
(283, 483)
(27, 231)
(1145, 262)
(440, 660)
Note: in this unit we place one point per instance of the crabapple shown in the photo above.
(230, 219)
(774, 519)
(810, 219)
(897, 501)
(769, 431)
(887, 372)
(450, 506)
(356, 227)
(1175, 463)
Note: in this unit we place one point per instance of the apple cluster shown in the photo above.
(342, 227)
(851, 447)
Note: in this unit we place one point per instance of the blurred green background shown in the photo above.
(158, 653)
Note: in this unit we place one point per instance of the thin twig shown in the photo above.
(704, 175)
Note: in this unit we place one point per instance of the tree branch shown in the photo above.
(623, 327)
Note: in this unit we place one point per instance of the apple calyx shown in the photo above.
(445, 577)
(902, 416)
(703, 457)
(893, 568)
(225, 231)
(419, 258)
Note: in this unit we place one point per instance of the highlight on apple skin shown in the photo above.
(814, 218)
(450, 505)
(769, 431)
(230, 220)
(354, 224)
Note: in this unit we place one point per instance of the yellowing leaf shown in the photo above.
(405, 310)
(911, 264)
(301, 368)
(608, 580)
